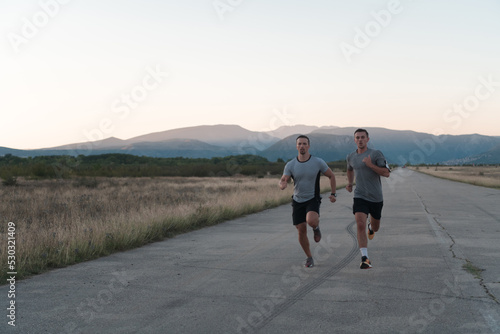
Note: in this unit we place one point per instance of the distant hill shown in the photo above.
(290, 130)
(327, 147)
(173, 148)
(489, 157)
(107, 143)
(329, 143)
(19, 153)
(221, 135)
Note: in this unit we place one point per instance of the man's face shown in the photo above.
(302, 145)
(361, 139)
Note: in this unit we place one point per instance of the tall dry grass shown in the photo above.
(485, 176)
(61, 222)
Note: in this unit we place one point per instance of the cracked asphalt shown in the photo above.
(246, 275)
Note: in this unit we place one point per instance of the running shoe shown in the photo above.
(309, 262)
(371, 234)
(365, 263)
(317, 234)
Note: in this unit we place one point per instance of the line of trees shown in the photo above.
(127, 165)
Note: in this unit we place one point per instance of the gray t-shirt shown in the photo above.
(368, 184)
(305, 177)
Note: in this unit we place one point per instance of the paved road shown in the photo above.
(246, 275)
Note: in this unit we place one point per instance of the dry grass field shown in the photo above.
(486, 176)
(61, 222)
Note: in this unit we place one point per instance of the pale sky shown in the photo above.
(80, 70)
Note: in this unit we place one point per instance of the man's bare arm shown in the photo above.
(382, 171)
(284, 181)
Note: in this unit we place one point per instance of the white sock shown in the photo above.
(364, 251)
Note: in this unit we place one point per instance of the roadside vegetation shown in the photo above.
(83, 216)
(126, 165)
(485, 176)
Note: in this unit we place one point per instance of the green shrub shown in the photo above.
(9, 180)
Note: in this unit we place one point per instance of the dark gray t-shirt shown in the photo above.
(305, 177)
(368, 184)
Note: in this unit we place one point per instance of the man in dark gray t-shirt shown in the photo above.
(368, 184)
(305, 170)
(367, 165)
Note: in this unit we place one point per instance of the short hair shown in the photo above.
(361, 130)
(303, 136)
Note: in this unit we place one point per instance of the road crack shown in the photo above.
(467, 265)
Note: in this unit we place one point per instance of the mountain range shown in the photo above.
(330, 143)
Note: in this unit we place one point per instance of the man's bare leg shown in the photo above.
(362, 239)
(312, 219)
(374, 224)
(360, 218)
(303, 240)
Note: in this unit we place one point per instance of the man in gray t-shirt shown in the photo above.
(367, 165)
(305, 170)
(305, 175)
(368, 184)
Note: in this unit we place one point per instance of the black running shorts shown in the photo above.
(300, 210)
(372, 208)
